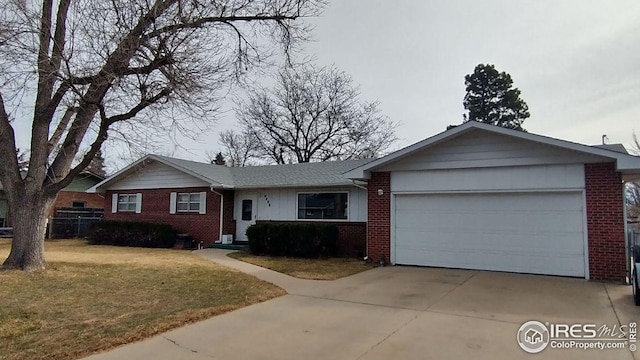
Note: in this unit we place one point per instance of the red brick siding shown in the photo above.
(379, 217)
(352, 238)
(155, 208)
(605, 222)
(66, 199)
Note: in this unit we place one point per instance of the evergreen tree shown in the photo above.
(219, 159)
(96, 165)
(492, 99)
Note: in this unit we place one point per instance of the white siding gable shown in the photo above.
(481, 148)
(157, 176)
(565, 177)
(282, 204)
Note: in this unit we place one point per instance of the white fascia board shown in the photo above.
(628, 163)
(357, 174)
(294, 186)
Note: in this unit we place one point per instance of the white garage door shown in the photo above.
(539, 233)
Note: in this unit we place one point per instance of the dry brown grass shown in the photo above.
(314, 269)
(92, 298)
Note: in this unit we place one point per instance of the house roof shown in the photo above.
(82, 175)
(328, 173)
(625, 163)
(308, 174)
(613, 147)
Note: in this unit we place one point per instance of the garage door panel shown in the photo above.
(520, 232)
(493, 261)
(520, 244)
(510, 224)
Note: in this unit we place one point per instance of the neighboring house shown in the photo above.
(72, 196)
(75, 195)
(485, 197)
(208, 201)
(476, 196)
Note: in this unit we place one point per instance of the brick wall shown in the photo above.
(352, 238)
(379, 217)
(155, 208)
(66, 199)
(605, 222)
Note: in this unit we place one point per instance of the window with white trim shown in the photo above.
(127, 202)
(331, 206)
(188, 202)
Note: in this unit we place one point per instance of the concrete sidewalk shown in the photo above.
(290, 284)
(393, 312)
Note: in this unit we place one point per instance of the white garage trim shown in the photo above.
(438, 192)
(579, 192)
(585, 231)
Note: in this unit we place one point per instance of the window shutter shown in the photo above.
(203, 203)
(138, 203)
(114, 203)
(173, 199)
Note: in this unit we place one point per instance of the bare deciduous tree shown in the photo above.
(314, 114)
(89, 70)
(632, 191)
(239, 149)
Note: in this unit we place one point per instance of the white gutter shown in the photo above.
(359, 186)
(221, 211)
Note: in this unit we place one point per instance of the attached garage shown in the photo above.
(483, 197)
(527, 232)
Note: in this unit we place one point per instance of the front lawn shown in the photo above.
(92, 298)
(315, 269)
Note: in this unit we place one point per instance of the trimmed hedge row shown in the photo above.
(131, 233)
(306, 240)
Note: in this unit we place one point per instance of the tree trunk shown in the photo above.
(29, 220)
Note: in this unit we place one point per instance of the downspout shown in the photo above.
(627, 244)
(221, 211)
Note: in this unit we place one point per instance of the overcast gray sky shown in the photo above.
(576, 62)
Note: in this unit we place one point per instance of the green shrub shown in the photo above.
(306, 240)
(131, 233)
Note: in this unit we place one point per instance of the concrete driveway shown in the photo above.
(395, 313)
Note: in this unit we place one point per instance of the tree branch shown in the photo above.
(216, 19)
(142, 70)
(61, 128)
(140, 106)
(60, 34)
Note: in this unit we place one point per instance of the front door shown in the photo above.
(245, 215)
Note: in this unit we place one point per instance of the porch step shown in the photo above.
(230, 246)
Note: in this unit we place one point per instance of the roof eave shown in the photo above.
(623, 161)
(101, 187)
(290, 186)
